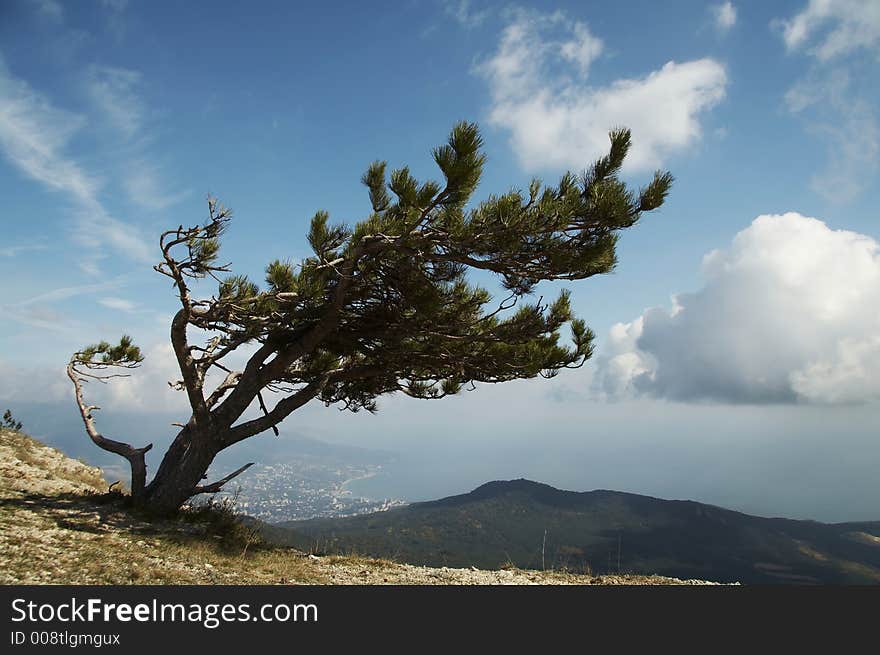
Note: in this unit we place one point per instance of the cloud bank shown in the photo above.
(788, 313)
(538, 83)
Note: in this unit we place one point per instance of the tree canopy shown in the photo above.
(384, 305)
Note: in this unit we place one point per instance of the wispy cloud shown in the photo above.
(41, 318)
(113, 91)
(540, 93)
(833, 27)
(35, 137)
(14, 251)
(724, 17)
(121, 304)
(145, 186)
(64, 293)
(37, 311)
(848, 126)
(115, 94)
(34, 134)
(465, 14)
(827, 98)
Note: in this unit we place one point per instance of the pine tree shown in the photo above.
(9, 421)
(381, 307)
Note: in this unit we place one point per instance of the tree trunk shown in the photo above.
(182, 469)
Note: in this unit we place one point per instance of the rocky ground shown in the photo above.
(59, 526)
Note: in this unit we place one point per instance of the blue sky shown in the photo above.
(761, 379)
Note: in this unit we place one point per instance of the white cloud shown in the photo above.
(538, 82)
(121, 304)
(788, 313)
(34, 134)
(724, 16)
(147, 386)
(33, 384)
(828, 30)
(834, 27)
(113, 91)
(35, 137)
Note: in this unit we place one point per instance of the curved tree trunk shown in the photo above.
(180, 474)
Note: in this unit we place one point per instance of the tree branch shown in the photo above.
(135, 456)
(217, 486)
(281, 411)
(193, 379)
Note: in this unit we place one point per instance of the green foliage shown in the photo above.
(382, 306)
(103, 354)
(390, 297)
(9, 421)
(385, 305)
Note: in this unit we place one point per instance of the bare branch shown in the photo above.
(217, 486)
(283, 409)
(229, 382)
(135, 456)
(266, 412)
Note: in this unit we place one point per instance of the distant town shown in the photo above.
(304, 489)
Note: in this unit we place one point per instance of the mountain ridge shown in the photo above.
(529, 524)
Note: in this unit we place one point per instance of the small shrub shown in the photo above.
(220, 520)
(9, 421)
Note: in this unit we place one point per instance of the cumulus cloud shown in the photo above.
(788, 313)
(724, 17)
(538, 82)
(831, 28)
